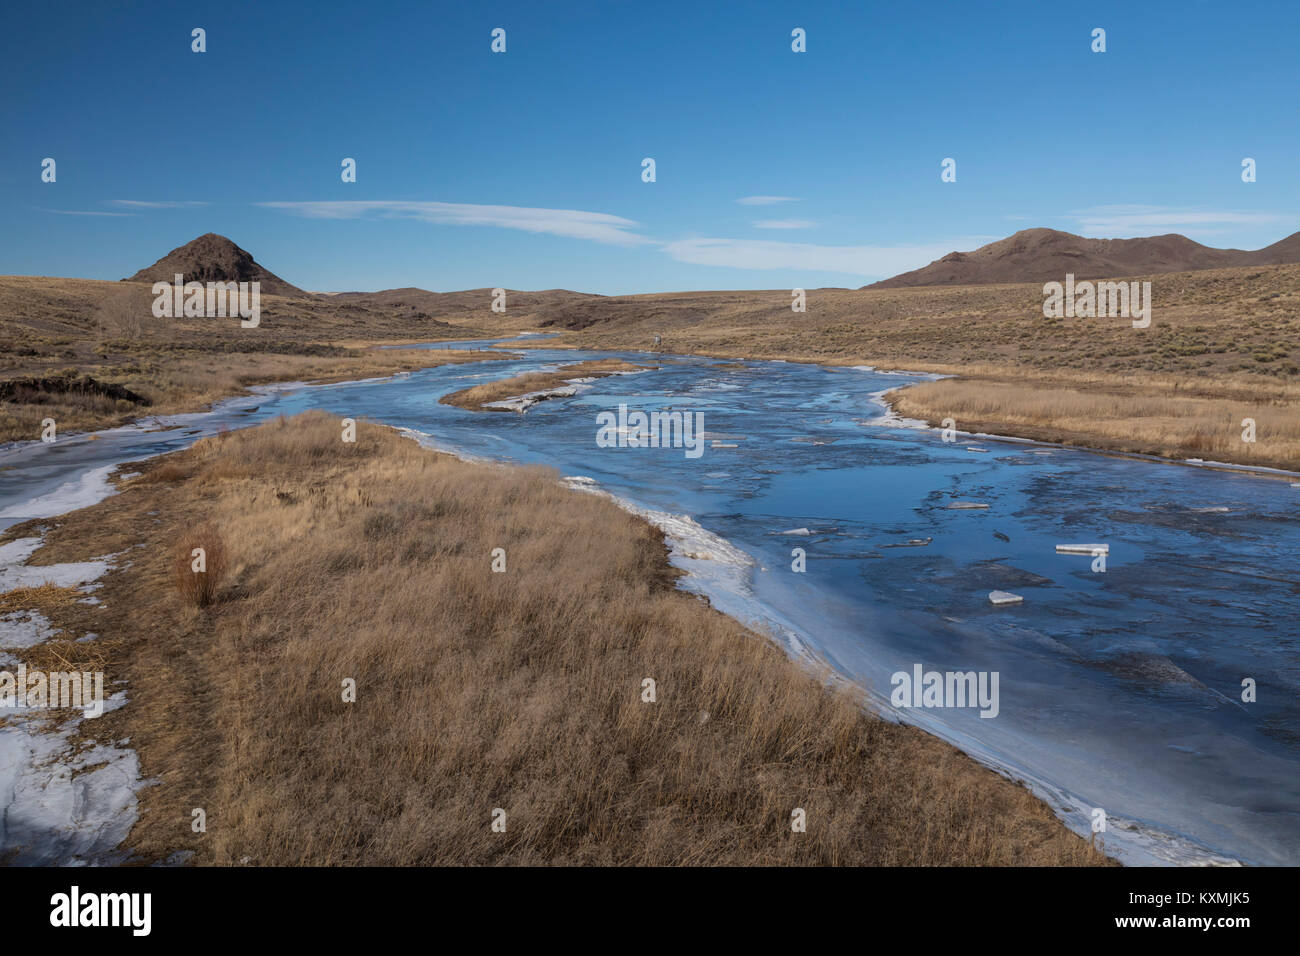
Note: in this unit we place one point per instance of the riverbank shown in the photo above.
(515, 696)
(195, 382)
(90, 355)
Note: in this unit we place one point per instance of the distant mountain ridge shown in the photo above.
(214, 258)
(1046, 255)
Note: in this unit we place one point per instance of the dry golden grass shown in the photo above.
(42, 598)
(1141, 418)
(475, 397)
(68, 654)
(478, 690)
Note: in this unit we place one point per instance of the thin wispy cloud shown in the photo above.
(568, 223)
(146, 204)
(1127, 221)
(866, 261)
(86, 212)
(755, 254)
(766, 200)
(784, 224)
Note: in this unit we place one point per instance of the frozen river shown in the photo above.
(1119, 689)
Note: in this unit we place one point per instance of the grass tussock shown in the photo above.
(476, 397)
(199, 564)
(370, 566)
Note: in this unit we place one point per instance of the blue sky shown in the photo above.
(523, 169)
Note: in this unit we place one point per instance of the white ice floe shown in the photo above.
(1004, 597)
(909, 543)
(1082, 548)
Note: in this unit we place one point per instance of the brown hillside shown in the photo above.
(1046, 255)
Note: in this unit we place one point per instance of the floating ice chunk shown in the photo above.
(910, 543)
(1004, 597)
(1082, 548)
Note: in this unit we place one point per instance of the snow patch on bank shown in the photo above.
(15, 573)
(20, 629)
(63, 801)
